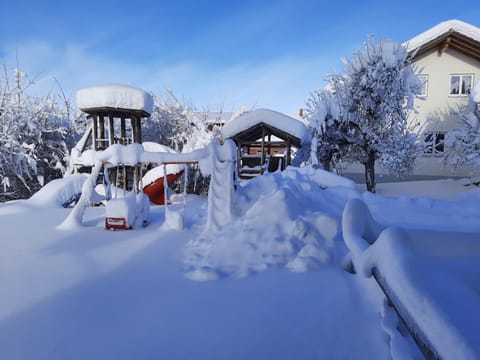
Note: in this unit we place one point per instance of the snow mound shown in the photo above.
(323, 178)
(304, 239)
(115, 96)
(60, 192)
(431, 276)
(273, 118)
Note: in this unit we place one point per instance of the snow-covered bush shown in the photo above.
(34, 136)
(463, 143)
(325, 113)
(177, 124)
(363, 115)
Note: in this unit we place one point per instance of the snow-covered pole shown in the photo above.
(220, 193)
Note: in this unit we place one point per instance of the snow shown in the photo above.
(430, 274)
(60, 192)
(461, 27)
(116, 96)
(157, 172)
(280, 290)
(475, 93)
(273, 118)
(134, 208)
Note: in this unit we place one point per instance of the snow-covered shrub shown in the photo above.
(326, 113)
(463, 143)
(34, 137)
(177, 124)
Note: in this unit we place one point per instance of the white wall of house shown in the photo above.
(436, 111)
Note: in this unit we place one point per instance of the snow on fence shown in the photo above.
(429, 277)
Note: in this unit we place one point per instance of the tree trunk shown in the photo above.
(370, 172)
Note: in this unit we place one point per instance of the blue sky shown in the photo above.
(215, 53)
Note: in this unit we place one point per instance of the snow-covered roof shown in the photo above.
(458, 26)
(271, 118)
(114, 96)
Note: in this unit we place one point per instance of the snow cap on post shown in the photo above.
(114, 96)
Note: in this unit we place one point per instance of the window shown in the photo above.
(460, 85)
(424, 81)
(434, 143)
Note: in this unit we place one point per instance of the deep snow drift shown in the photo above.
(430, 275)
(89, 293)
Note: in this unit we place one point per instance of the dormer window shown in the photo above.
(461, 84)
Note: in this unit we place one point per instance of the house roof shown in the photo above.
(248, 126)
(454, 34)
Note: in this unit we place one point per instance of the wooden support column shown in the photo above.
(262, 159)
(136, 130)
(110, 130)
(289, 153)
(239, 157)
(123, 131)
(269, 148)
(133, 126)
(94, 131)
(139, 129)
(101, 130)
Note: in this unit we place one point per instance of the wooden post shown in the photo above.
(138, 123)
(262, 159)
(239, 157)
(289, 154)
(110, 130)
(101, 128)
(94, 131)
(269, 147)
(123, 131)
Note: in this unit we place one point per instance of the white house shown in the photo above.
(447, 57)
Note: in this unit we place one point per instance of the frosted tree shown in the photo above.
(378, 89)
(462, 145)
(325, 113)
(34, 133)
(183, 127)
(178, 124)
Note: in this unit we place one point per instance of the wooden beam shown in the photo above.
(101, 130)
(123, 131)
(110, 130)
(139, 129)
(444, 45)
(262, 161)
(94, 131)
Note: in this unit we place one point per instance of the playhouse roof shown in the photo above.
(116, 97)
(456, 34)
(282, 125)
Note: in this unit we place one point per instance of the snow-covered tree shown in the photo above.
(178, 124)
(183, 127)
(34, 133)
(462, 145)
(381, 88)
(366, 113)
(325, 113)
